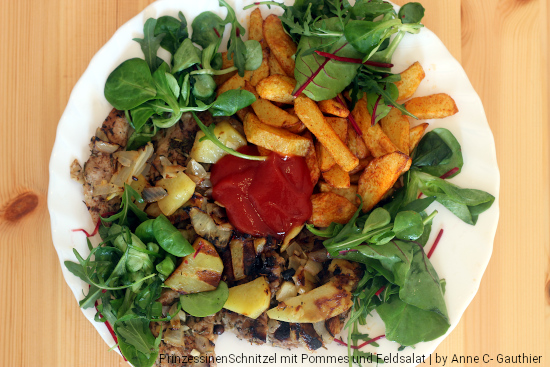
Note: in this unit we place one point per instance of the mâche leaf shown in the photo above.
(130, 85)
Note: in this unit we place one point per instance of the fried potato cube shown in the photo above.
(249, 299)
(337, 177)
(436, 106)
(255, 27)
(415, 135)
(280, 43)
(396, 126)
(200, 271)
(332, 107)
(310, 114)
(329, 207)
(272, 115)
(375, 139)
(410, 80)
(349, 193)
(262, 71)
(379, 176)
(312, 162)
(319, 304)
(273, 138)
(274, 66)
(277, 88)
(179, 188)
(356, 144)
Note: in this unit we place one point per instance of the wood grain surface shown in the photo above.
(45, 46)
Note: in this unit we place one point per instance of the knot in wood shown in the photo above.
(20, 206)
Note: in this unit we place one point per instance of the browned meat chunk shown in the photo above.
(99, 167)
(116, 127)
(252, 330)
(176, 142)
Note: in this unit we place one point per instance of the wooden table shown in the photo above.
(45, 46)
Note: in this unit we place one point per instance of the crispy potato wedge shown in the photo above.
(330, 207)
(332, 107)
(249, 299)
(235, 82)
(356, 144)
(241, 114)
(200, 271)
(319, 304)
(415, 135)
(280, 43)
(375, 139)
(326, 162)
(263, 151)
(273, 138)
(337, 177)
(436, 106)
(312, 162)
(272, 115)
(262, 71)
(274, 66)
(310, 114)
(396, 126)
(256, 28)
(220, 79)
(340, 126)
(277, 88)
(410, 80)
(349, 193)
(363, 163)
(379, 177)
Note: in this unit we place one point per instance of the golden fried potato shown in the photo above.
(396, 126)
(329, 207)
(235, 82)
(277, 88)
(272, 115)
(379, 177)
(313, 118)
(274, 66)
(332, 107)
(436, 106)
(241, 114)
(356, 144)
(312, 162)
(415, 135)
(340, 126)
(349, 193)
(363, 163)
(255, 27)
(249, 299)
(337, 177)
(262, 71)
(280, 43)
(220, 79)
(410, 80)
(273, 138)
(263, 151)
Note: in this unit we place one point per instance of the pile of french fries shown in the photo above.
(342, 163)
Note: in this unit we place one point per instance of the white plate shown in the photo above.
(461, 256)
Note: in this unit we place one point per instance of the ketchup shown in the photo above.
(263, 197)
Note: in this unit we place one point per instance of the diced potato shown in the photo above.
(410, 80)
(255, 27)
(249, 299)
(329, 207)
(273, 138)
(356, 144)
(313, 118)
(415, 135)
(274, 66)
(180, 189)
(207, 152)
(277, 88)
(319, 304)
(312, 162)
(153, 210)
(272, 115)
(200, 271)
(379, 177)
(332, 107)
(287, 290)
(259, 244)
(436, 106)
(349, 193)
(337, 177)
(262, 71)
(396, 127)
(280, 43)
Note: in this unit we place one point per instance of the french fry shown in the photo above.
(410, 80)
(375, 139)
(379, 177)
(354, 178)
(262, 71)
(396, 126)
(436, 106)
(277, 88)
(272, 115)
(415, 134)
(220, 79)
(274, 66)
(349, 193)
(235, 82)
(249, 87)
(263, 151)
(337, 177)
(340, 126)
(363, 163)
(273, 138)
(297, 128)
(279, 43)
(332, 107)
(311, 161)
(255, 27)
(313, 118)
(356, 144)
(329, 207)
(241, 114)
(325, 159)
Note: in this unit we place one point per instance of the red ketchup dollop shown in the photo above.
(263, 197)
